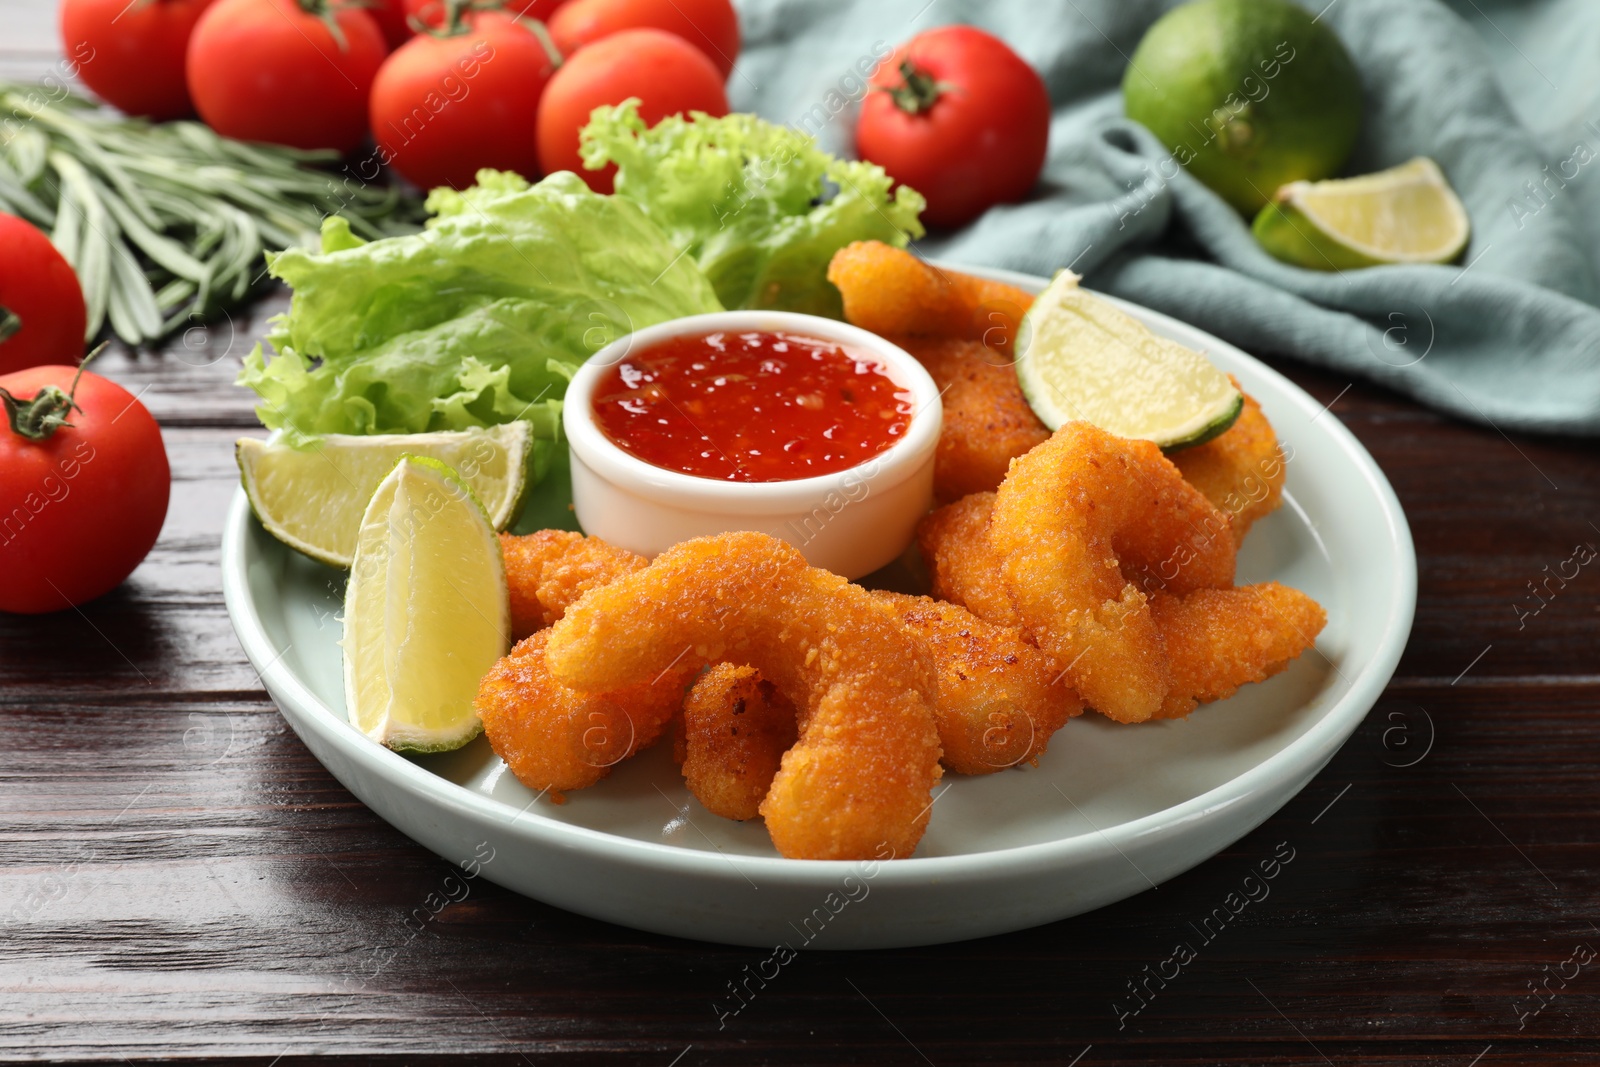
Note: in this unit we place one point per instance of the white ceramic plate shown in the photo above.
(1110, 810)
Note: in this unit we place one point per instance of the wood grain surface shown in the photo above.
(179, 878)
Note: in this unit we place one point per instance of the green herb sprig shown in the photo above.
(167, 224)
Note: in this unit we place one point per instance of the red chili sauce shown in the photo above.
(751, 407)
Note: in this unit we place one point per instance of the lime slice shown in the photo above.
(426, 613)
(1407, 214)
(311, 499)
(1083, 359)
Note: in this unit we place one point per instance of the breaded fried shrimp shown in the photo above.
(964, 568)
(1220, 639)
(987, 420)
(553, 737)
(1072, 521)
(890, 291)
(1241, 470)
(1000, 698)
(861, 773)
(549, 570)
(736, 728)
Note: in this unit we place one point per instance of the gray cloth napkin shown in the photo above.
(1505, 97)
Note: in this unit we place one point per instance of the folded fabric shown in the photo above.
(1509, 337)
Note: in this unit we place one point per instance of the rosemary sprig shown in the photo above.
(167, 224)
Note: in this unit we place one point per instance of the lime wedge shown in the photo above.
(1407, 214)
(426, 613)
(311, 499)
(1083, 359)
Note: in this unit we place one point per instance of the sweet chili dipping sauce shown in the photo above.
(751, 406)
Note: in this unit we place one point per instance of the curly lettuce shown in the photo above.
(759, 207)
(479, 319)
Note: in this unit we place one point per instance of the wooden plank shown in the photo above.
(209, 891)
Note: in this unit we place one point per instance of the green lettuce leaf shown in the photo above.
(480, 319)
(760, 207)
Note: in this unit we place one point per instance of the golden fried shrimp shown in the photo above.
(736, 728)
(1241, 470)
(890, 291)
(859, 777)
(963, 567)
(549, 570)
(987, 421)
(1000, 698)
(1220, 639)
(1075, 520)
(553, 737)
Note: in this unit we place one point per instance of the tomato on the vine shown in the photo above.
(42, 317)
(456, 99)
(667, 74)
(131, 55)
(959, 117)
(290, 72)
(84, 483)
(710, 25)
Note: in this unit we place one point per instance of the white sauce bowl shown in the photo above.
(851, 522)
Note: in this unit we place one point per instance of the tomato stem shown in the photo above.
(539, 30)
(10, 323)
(324, 10)
(918, 90)
(46, 411)
(455, 23)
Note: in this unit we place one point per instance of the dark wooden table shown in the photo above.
(179, 878)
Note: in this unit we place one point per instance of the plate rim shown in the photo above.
(1302, 758)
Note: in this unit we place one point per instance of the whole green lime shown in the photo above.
(1248, 95)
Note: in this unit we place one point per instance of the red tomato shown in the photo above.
(442, 107)
(432, 12)
(710, 25)
(963, 120)
(391, 15)
(269, 70)
(132, 54)
(81, 507)
(666, 73)
(42, 317)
